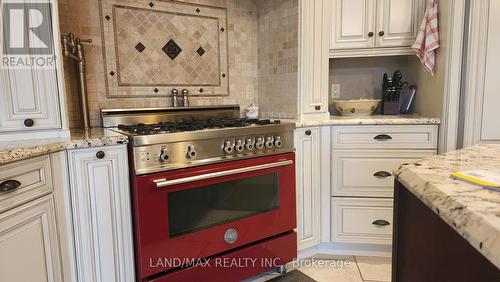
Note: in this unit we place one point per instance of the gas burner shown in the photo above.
(193, 125)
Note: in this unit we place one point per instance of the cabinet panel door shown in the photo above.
(490, 131)
(29, 93)
(307, 143)
(369, 173)
(352, 21)
(399, 20)
(102, 215)
(28, 243)
(362, 220)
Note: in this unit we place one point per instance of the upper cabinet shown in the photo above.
(30, 93)
(313, 58)
(361, 28)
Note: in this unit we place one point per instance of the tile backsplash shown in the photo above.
(86, 18)
(362, 77)
(278, 58)
(151, 49)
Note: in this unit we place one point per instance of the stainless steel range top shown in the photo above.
(170, 138)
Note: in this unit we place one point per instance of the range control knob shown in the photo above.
(239, 146)
(260, 143)
(277, 141)
(249, 144)
(164, 156)
(228, 147)
(269, 142)
(191, 152)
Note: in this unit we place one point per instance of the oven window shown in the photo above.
(202, 207)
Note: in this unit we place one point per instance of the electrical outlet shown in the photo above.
(335, 91)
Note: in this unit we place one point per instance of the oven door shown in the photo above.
(202, 211)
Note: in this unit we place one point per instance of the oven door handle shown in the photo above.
(161, 183)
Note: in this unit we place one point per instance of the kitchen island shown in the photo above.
(446, 229)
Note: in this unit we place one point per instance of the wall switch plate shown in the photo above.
(335, 91)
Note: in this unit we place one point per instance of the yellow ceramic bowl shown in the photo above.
(356, 107)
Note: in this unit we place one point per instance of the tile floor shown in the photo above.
(340, 269)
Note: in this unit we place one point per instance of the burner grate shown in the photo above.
(193, 125)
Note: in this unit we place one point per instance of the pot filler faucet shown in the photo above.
(73, 49)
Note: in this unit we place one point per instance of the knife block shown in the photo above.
(390, 107)
(390, 101)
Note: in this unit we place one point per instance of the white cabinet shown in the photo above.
(307, 144)
(363, 159)
(29, 248)
(102, 215)
(369, 173)
(399, 21)
(313, 59)
(352, 24)
(481, 97)
(374, 27)
(31, 98)
(362, 220)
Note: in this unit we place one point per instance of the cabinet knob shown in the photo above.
(308, 132)
(381, 33)
(317, 108)
(370, 34)
(9, 186)
(29, 122)
(381, 222)
(382, 174)
(100, 154)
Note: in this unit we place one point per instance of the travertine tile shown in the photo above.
(83, 18)
(374, 268)
(335, 269)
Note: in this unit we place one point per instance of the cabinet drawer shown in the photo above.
(385, 137)
(369, 173)
(362, 220)
(33, 176)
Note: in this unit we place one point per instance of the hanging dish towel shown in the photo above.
(428, 37)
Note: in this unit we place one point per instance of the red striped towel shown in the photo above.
(428, 37)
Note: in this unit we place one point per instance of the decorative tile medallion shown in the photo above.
(170, 45)
(172, 49)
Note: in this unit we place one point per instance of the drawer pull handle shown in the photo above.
(382, 137)
(308, 132)
(381, 222)
(317, 108)
(9, 186)
(382, 174)
(100, 154)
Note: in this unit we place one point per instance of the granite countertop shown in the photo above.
(79, 138)
(370, 120)
(474, 212)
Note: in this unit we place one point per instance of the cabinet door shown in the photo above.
(101, 214)
(352, 24)
(398, 22)
(28, 93)
(313, 59)
(307, 144)
(490, 131)
(28, 243)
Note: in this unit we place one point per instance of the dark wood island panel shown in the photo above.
(427, 249)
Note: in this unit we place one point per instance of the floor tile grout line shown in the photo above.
(359, 270)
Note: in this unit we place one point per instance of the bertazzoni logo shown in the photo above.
(27, 34)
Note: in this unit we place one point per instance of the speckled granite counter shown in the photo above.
(472, 211)
(369, 120)
(95, 137)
